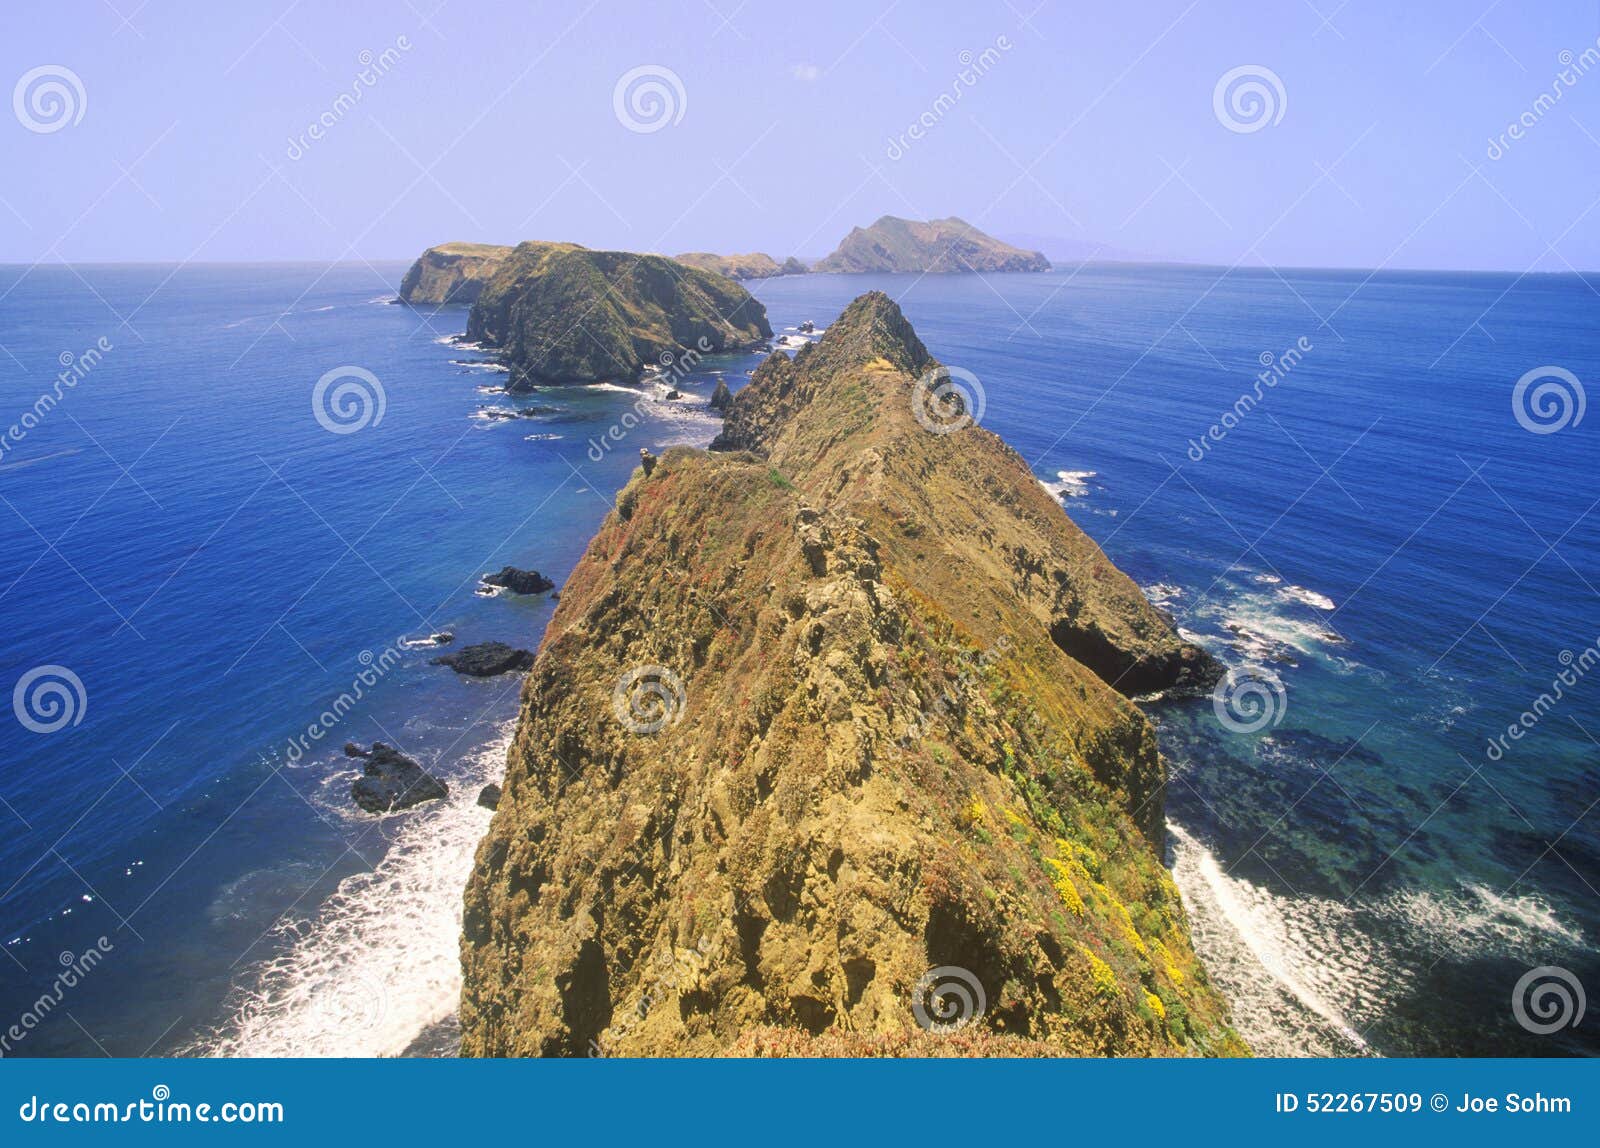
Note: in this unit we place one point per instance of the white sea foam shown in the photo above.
(542, 437)
(1162, 594)
(1308, 597)
(1069, 483)
(481, 365)
(1285, 965)
(379, 961)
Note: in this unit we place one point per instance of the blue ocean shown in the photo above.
(261, 488)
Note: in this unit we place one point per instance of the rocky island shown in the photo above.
(561, 313)
(752, 266)
(939, 245)
(828, 750)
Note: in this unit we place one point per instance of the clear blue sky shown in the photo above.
(1096, 125)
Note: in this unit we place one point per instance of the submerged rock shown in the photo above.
(391, 780)
(486, 659)
(519, 581)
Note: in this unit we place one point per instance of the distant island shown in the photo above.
(939, 245)
(752, 266)
(561, 313)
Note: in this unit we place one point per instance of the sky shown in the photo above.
(180, 131)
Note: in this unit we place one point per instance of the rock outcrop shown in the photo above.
(809, 762)
(391, 781)
(485, 660)
(560, 313)
(518, 581)
(721, 397)
(752, 266)
(939, 245)
(451, 273)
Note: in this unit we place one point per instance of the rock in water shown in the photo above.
(519, 581)
(486, 659)
(489, 796)
(392, 781)
(894, 244)
(809, 751)
(721, 397)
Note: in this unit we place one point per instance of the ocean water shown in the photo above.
(1395, 567)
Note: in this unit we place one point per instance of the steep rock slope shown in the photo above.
(802, 737)
(451, 273)
(939, 245)
(561, 313)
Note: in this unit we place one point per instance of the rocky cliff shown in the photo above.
(939, 245)
(819, 755)
(451, 273)
(561, 313)
(752, 266)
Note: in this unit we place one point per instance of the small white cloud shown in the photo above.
(806, 72)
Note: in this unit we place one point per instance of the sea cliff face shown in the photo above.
(939, 245)
(561, 313)
(451, 273)
(810, 730)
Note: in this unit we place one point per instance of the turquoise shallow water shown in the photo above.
(1378, 535)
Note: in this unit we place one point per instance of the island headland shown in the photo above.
(829, 750)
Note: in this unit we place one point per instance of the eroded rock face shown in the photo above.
(451, 273)
(800, 732)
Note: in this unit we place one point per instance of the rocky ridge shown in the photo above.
(824, 714)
